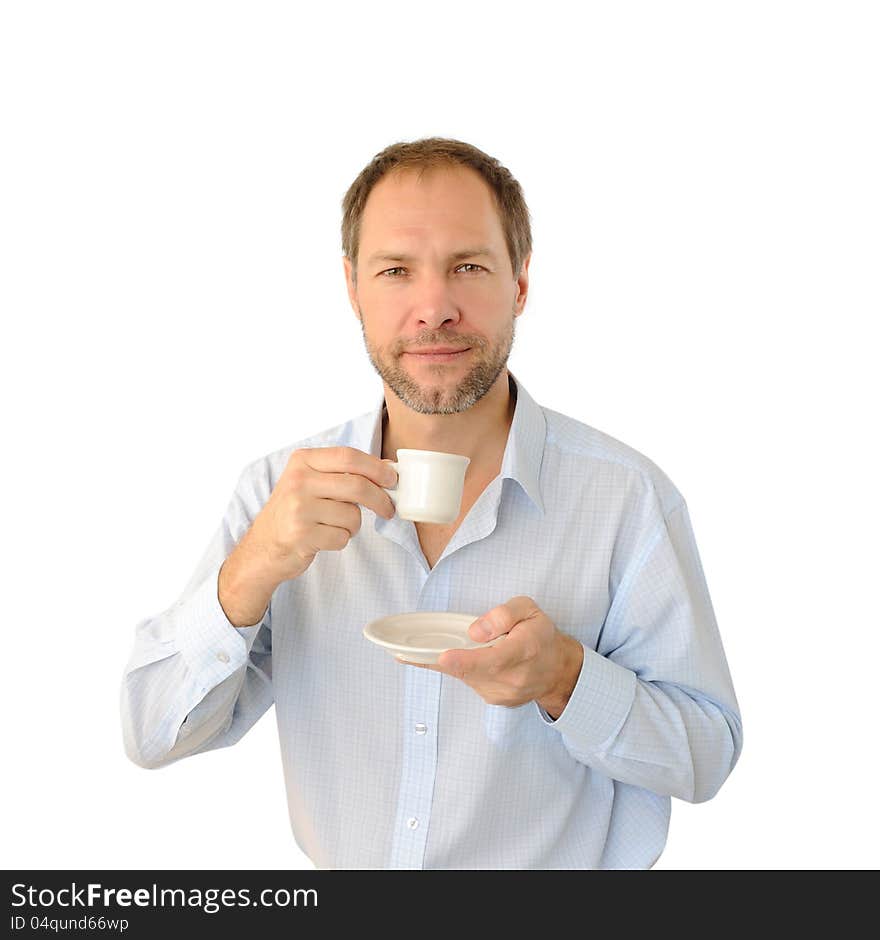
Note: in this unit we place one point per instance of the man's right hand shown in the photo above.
(315, 506)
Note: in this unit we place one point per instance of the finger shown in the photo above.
(351, 460)
(502, 619)
(446, 663)
(332, 512)
(473, 665)
(328, 538)
(351, 488)
(407, 662)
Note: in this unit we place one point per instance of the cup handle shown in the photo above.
(393, 492)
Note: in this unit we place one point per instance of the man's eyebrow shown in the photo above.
(455, 256)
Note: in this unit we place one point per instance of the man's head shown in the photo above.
(437, 244)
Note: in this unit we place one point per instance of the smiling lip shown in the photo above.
(438, 352)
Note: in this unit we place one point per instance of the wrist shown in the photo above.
(243, 588)
(571, 660)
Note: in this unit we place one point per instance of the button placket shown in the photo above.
(419, 765)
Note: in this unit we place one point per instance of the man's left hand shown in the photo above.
(535, 661)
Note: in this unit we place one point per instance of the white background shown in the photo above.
(703, 182)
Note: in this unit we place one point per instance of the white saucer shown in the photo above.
(421, 637)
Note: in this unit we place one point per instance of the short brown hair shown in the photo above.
(428, 153)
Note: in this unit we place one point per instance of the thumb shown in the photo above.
(486, 628)
(502, 619)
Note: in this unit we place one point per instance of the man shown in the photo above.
(559, 747)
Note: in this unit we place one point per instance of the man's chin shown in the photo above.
(428, 400)
(426, 403)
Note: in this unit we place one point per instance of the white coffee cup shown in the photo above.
(429, 485)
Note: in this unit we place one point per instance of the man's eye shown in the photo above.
(468, 264)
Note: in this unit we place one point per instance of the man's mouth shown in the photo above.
(441, 355)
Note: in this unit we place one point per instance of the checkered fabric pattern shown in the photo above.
(391, 766)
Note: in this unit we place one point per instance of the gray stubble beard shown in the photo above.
(481, 377)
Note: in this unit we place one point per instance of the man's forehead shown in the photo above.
(448, 213)
(400, 196)
(406, 221)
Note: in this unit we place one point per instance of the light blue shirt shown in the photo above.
(392, 766)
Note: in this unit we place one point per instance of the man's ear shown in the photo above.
(522, 284)
(349, 285)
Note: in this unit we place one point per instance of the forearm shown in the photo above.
(654, 735)
(244, 586)
(190, 666)
(675, 744)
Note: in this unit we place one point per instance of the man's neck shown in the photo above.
(479, 433)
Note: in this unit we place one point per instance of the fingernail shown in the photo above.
(480, 631)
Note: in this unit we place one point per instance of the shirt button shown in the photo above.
(421, 728)
(223, 656)
(412, 822)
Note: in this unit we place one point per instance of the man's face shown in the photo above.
(423, 284)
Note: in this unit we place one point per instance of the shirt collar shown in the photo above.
(523, 454)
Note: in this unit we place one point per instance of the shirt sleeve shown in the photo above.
(654, 705)
(193, 681)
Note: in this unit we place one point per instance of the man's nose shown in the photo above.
(434, 303)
